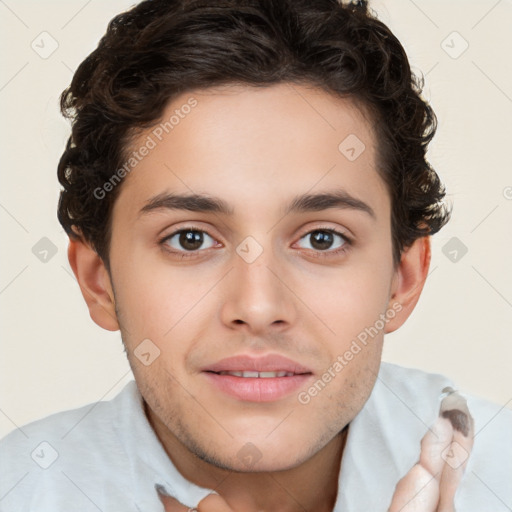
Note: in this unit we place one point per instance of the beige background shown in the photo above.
(53, 357)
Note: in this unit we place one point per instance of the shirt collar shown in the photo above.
(152, 469)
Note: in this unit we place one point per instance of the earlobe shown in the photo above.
(408, 282)
(94, 282)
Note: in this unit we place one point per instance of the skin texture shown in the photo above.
(256, 149)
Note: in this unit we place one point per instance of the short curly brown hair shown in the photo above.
(162, 48)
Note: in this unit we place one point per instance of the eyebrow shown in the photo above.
(202, 203)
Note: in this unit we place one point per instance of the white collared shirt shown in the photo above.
(106, 457)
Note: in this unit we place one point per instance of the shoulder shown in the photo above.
(87, 425)
(50, 453)
(489, 470)
(418, 386)
(410, 381)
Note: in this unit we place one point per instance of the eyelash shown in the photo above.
(316, 254)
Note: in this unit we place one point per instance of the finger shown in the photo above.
(457, 454)
(433, 444)
(417, 491)
(172, 504)
(454, 407)
(214, 503)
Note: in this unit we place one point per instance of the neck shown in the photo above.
(312, 485)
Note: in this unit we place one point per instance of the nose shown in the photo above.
(257, 297)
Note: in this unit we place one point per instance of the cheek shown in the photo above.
(155, 298)
(350, 300)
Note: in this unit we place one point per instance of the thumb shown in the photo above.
(172, 504)
(212, 503)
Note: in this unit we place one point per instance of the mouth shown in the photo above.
(261, 379)
(247, 365)
(257, 375)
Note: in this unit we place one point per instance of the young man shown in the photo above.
(248, 202)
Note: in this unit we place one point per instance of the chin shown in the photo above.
(252, 459)
(264, 465)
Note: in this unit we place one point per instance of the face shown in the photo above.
(258, 279)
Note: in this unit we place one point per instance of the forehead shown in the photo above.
(250, 144)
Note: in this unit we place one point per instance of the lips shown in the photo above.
(263, 364)
(257, 379)
(257, 375)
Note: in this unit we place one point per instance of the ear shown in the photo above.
(408, 282)
(94, 282)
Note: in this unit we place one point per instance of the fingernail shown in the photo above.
(454, 408)
(458, 419)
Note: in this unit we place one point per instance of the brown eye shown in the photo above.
(323, 239)
(187, 240)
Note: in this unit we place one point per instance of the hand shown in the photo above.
(212, 503)
(431, 484)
